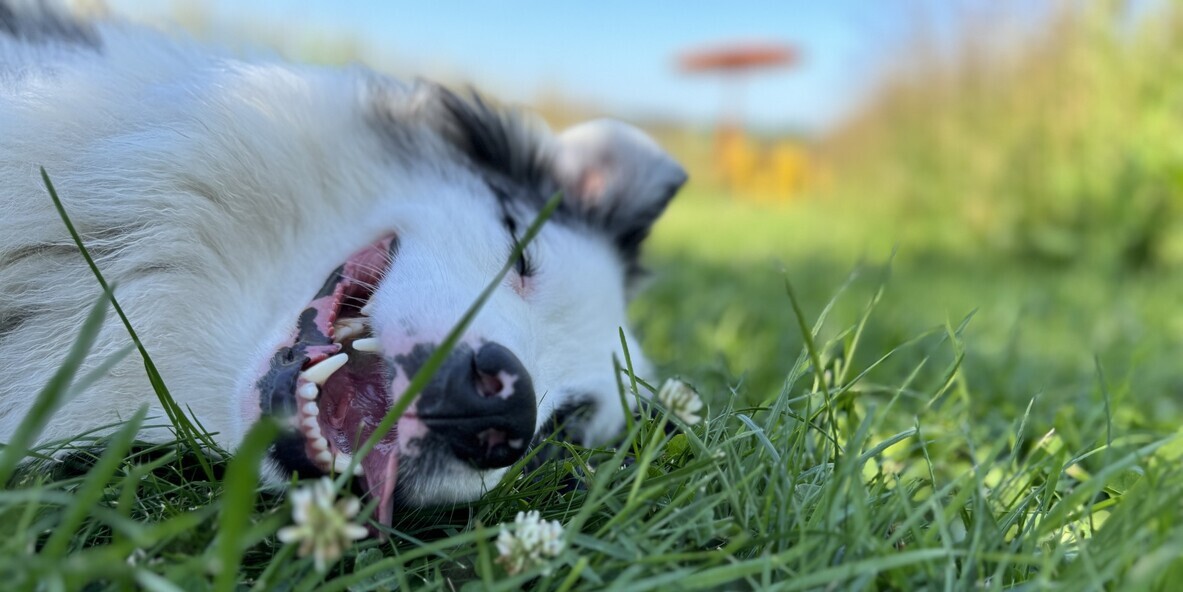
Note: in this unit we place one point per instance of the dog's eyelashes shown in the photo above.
(523, 265)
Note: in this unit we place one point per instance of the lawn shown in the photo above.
(979, 423)
(1032, 329)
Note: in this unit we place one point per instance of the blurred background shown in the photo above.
(1015, 163)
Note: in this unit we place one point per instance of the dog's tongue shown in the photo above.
(381, 466)
(354, 402)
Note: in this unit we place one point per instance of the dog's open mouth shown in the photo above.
(332, 383)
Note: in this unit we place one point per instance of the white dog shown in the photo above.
(295, 241)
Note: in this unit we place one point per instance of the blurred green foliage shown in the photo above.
(1063, 143)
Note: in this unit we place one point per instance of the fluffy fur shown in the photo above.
(218, 194)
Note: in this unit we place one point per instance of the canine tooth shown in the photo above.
(320, 444)
(324, 457)
(311, 408)
(308, 391)
(369, 344)
(368, 308)
(324, 369)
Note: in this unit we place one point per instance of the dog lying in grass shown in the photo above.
(296, 242)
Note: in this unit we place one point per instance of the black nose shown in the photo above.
(482, 404)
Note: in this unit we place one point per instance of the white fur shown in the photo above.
(218, 194)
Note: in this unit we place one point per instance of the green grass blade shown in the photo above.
(92, 489)
(238, 500)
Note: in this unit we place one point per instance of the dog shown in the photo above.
(295, 241)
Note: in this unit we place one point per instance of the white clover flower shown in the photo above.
(323, 529)
(531, 543)
(136, 557)
(681, 399)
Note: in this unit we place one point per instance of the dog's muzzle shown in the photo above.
(481, 404)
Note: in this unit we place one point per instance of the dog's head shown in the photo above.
(541, 349)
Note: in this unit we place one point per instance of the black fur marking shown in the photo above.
(38, 22)
(503, 145)
(508, 149)
(512, 153)
(498, 141)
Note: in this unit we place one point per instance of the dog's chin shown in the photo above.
(329, 384)
(427, 482)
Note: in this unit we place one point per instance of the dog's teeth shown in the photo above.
(313, 433)
(311, 408)
(324, 457)
(308, 391)
(324, 369)
(310, 422)
(319, 444)
(369, 344)
(346, 328)
(368, 308)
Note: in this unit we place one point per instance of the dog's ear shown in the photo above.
(617, 177)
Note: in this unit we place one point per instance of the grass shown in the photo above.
(914, 459)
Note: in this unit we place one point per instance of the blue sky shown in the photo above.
(618, 55)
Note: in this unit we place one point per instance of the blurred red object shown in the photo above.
(738, 57)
